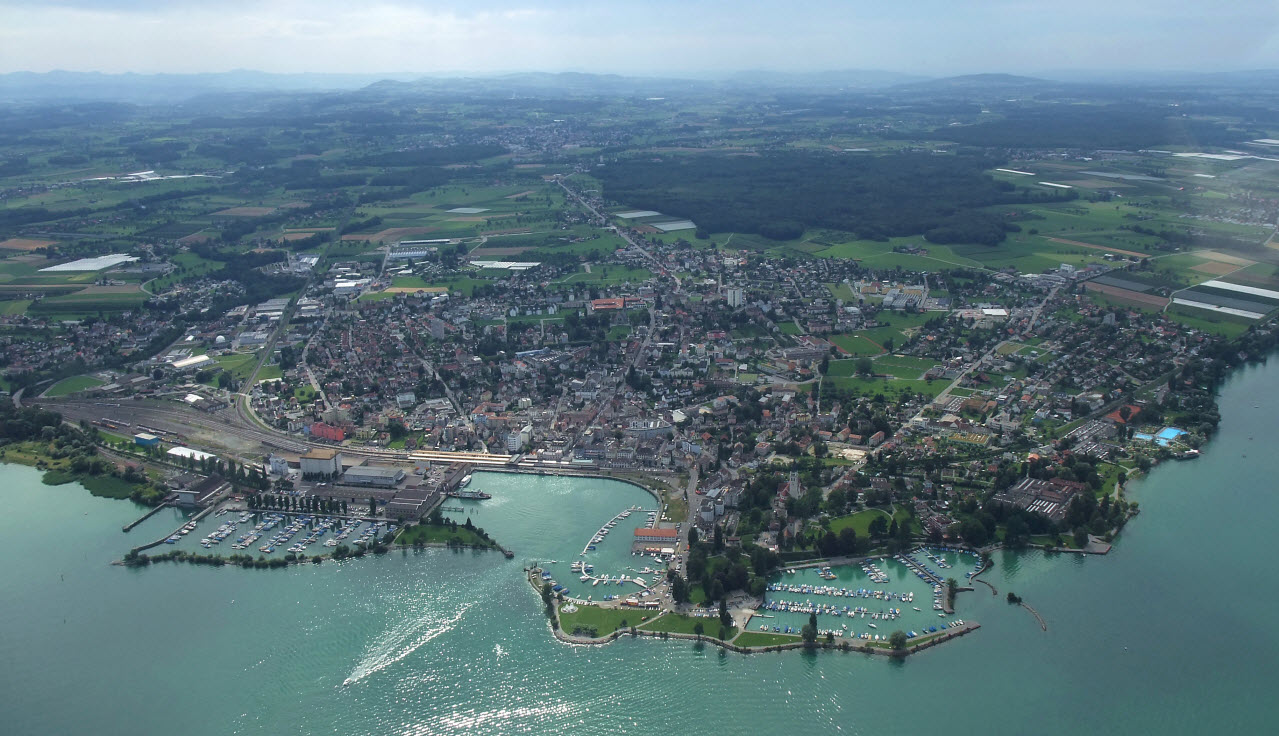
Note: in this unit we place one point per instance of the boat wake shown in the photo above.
(400, 642)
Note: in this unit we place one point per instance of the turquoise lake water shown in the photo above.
(1176, 631)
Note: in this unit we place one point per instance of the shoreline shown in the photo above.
(847, 646)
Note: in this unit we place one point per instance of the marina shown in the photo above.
(866, 595)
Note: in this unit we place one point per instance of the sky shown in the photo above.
(637, 37)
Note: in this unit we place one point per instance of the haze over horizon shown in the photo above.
(662, 38)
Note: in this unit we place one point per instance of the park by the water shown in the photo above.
(1173, 632)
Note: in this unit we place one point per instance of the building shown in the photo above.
(187, 452)
(277, 465)
(202, 493)
(192, 363)
(146, 439)
(647, 430)
(328, 432)
(660, 540)
(367, 475)
(321, 463)
(1047, 497)
(734, 297)
(516, 441)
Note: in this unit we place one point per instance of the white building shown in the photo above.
(322, 461)
(735, 297)
(516, 441)
(193, 363)
(277, 465)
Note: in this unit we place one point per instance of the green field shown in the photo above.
(763, 639)
(677, 623)
(842, 291)
(432, 534)
(602, 621)
(83, 303)
(14, 306)
(609, 274)
(72, 385)
(239, 365)
(857, 344)
(903, 366)
(858, 522)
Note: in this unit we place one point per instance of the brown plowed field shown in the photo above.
(1128, 296)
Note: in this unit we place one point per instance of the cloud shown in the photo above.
(658, 37)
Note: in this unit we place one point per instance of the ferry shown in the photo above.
(473, 495)
(466, 481)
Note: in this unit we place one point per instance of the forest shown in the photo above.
(1091, 127)
(780, 195)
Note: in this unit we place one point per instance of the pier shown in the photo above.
(129, 527)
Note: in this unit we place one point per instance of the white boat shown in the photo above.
(466, 481)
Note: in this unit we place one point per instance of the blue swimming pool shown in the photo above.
(1170, 433)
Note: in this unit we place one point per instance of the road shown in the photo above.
(653, 326)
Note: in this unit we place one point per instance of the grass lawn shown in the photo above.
(680, 624)
(842, 291)
(239, 365)
(269, 372)
(903, 366)
(887, 386)
(617, 333)
(857, 345)
(789, 328)
(432, 534)
(762, 639)
(72, 385)
(859, 522)
(602, 621)
(611, 274)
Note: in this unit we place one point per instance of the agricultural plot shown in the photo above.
(91, 301)
(14, 306)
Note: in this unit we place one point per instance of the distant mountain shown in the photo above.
(60, 86)
(976, 82)
(1255, 78)
(858, 79)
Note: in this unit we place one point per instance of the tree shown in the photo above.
(699, 629)
(724, 617)
(808, 634)
(679, 588)
(692, 537)
(864, 366)
(878, 527)
(897, 640)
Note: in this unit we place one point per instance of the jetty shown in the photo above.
(1042, 624)
(129, 527)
